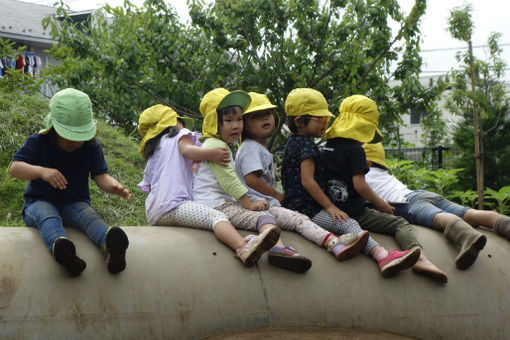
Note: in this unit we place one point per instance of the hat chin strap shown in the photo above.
(73, 130)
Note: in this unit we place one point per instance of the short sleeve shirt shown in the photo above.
(297, 198)
(254, 157)
(76, 166)
(343, 158)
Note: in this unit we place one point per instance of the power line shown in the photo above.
(458, 48)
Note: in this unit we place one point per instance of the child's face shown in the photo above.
(315, 127)
(232, 126)
(68, 145)
(260, 124)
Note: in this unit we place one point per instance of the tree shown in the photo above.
(135, 57)
(460, 27)
(493, 104)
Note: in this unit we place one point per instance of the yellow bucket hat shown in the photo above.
(375, 153)
(306, 101)
(155, 119)
(259, 102)
(218, 99)
(358, 120)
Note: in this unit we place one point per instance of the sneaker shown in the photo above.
(116, 243)
(288, 258)
(397, 261)
(256, 245)
(347, 245)
(65, 254)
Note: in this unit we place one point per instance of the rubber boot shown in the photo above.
(468, 239)
(502, 226)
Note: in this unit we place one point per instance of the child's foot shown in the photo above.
(116, 245)
(348, 245)
(397, 261)
(65, 254)
(256, 245)
(288, 258)
(427, 268)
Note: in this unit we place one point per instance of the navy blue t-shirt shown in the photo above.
(76, 166)
(343, 158)
(297, 198)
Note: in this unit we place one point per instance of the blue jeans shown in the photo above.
(422, 206)
(50, 220)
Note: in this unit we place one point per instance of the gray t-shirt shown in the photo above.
(253, 157)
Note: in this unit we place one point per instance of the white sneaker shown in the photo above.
(256, 245)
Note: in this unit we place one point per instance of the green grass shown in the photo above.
(21, 116)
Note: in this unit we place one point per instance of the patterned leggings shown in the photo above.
(291, 220)
(193, 215)
(339, 228)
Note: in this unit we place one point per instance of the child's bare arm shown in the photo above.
(110, 185)
(254, 181)
(313, 188)
(190, 151)
(367, 193)
(28, 172)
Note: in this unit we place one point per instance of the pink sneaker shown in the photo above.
(397, 261)
(347, 245)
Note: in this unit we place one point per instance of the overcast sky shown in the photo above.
(438, 48)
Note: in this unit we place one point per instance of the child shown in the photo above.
(168, 148)
(57, 161)
(434, 211)
(304, 180)
(346, 166)
(254, 167)
(218, 187)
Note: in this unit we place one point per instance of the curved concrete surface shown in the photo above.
(183, 284)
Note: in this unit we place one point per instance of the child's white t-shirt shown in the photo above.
(386, 186)
(252, 157)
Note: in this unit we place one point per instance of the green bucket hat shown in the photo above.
(71, 116)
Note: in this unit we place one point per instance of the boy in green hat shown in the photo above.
(57, 162)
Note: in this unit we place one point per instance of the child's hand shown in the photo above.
(122, 191)
(220, 156)
(336, 213)
(386, 207)
(259, 205)
(54, 177)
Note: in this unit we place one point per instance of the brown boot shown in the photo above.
(468, 239)
(502, 226)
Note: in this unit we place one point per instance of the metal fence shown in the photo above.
(433, 157)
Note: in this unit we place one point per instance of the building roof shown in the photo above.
(21, 21)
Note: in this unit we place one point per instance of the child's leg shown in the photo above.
(46, 217)
(343, 247)
(112, 241)
(279, 255)
(339, 228)
(487, 219)
(292, 220)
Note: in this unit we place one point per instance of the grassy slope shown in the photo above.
(21, 116)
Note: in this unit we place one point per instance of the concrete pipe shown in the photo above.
(182, 283)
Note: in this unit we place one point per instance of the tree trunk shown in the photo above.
(477, 136)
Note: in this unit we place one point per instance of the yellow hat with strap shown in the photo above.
(375, 153)
(155, 119)
(358, 120)
(259, 102)
(218, 99)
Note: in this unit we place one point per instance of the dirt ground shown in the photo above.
(308, 333)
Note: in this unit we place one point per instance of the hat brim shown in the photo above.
(76, 134)
(189, 123)
(260, 108)
(235, 98)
